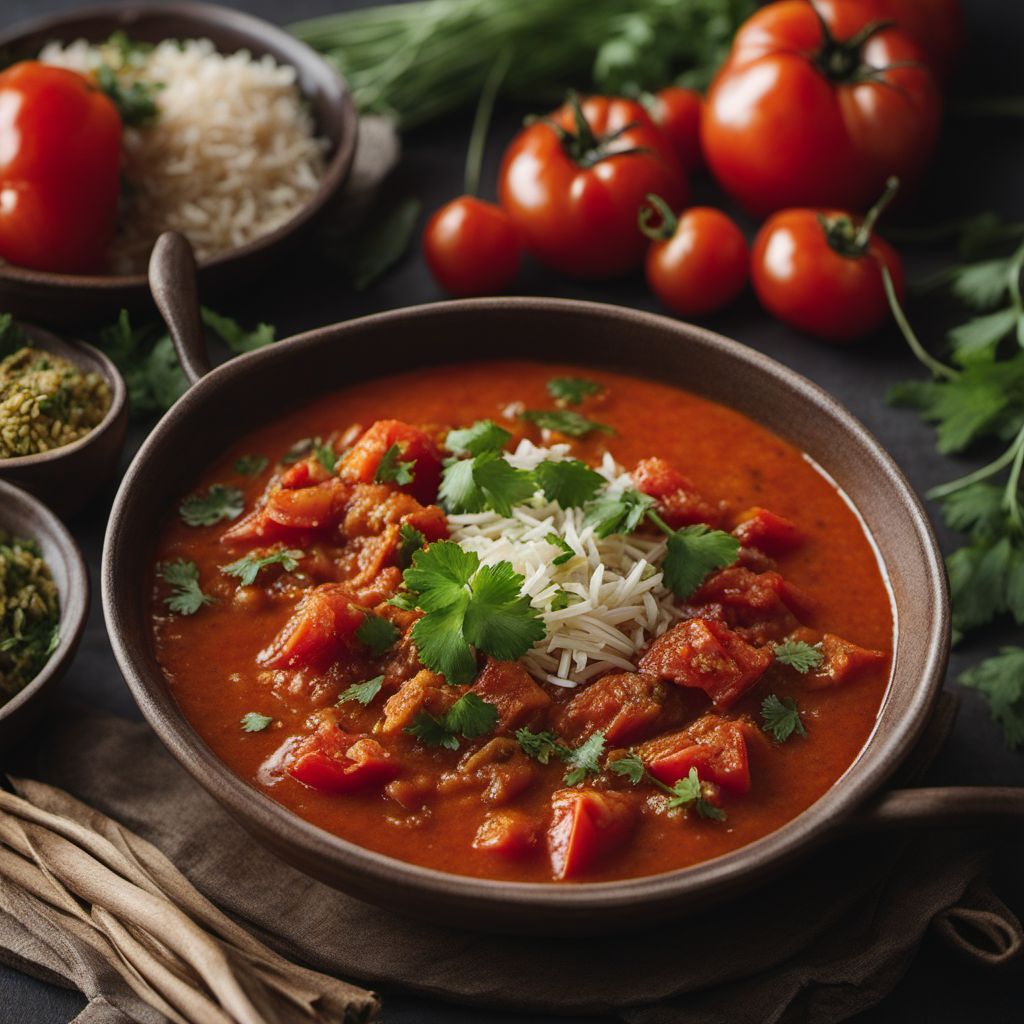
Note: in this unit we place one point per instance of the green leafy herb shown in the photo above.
(564, 421)
(569, 482)
(326, 456)
(798, 655)
(469, 716)
(217, 504)
(12, 337)
(541, 746)
(1001, 680)
(236, 337)
(630, 767)
(362, 692)
(567, 549)
(468, 606)
(585, 759)
(482, 436)
(299, 450)
(571, 390)
(135, 101)
(560, 600)
(187, 596)
(391, 470)
(781, 717)
(694, 552)
(377, 633)
(251, 465)
(378, 245)
(618, 513)
(684, 793)
(255, 722)
(248, 567)
(410, 540)
(486, 481)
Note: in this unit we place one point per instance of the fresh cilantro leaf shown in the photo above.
(440, 573)
(303, 447)
(500, 619)
(571, 483)
(689, 792)
(541, 746)
(482, 436)
(796, 654)
(404, 600)
(410, 540)
(443, 647)
(469, 716)
(12, 337)
(978, 338)
(1001, 680)
(219, 503)
(571, 390)
(564, 421)
(377, 633)
(694, 552)
(585, 759)
(487, 481)
(629, 766)
(617, 513)
(187, 596)
(560, 542)
(251, 465)
(248, 568)
(981, 285)
(391, 470)
(255, 722)
(235, 336)
(326, 456)
(135, 102)
(362, 692)
(458, 491)
(560, 600)
(977, 509)
(782, 717)
(977, 582)
(432, 731)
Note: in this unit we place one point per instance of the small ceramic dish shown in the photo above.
(67, 477)
(74, 300)
(24, 516)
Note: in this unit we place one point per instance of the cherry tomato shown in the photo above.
(60, 159)
(472, 247)
(575, 181)
(677, 113)
(817, 106)
(821, 272)
(698, 262)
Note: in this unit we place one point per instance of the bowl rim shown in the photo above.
(118, 400)
(301, 57)
(74, 609)
(705, 881)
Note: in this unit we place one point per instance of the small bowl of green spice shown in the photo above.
(44, 601)
(63, 415)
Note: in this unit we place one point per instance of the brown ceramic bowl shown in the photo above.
(255, 389)
(66, 478)
(73, 300)
(24, 516)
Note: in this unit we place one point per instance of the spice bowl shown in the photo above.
(65, 478)
(25, 517)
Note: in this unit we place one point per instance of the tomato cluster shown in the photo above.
(819, 105)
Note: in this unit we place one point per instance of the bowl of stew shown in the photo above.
(598, 623)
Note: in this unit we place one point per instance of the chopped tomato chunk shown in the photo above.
(317, 507)
(303, 474)
(374, 507)
(426, 691)
(679, 502)
(624, 706)
(587, 825)
(511, 689)
(258, 528)
(707, 655)
(773, 534)
(510, 834)
(750, 598)
(337, 762)
(843, 662)
(715, 746)
(318, 631)
(416, 446)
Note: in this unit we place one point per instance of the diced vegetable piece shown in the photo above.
(318, 631)
(258, 528)
(318, 507)
(843, 663)
(624, 706)
(754, 598)
(773, 534)
(715, 746)
(587, 825)
(511, 689)
(372, 508)
(360, 465)
(426, 691)
(304, 474)
(679, 502)
(430, 521)
(337, 762)
(510, 834)
(707, 655)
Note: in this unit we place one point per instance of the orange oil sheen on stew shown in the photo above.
(210, 657)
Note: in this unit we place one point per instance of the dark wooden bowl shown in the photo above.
(72, 300)
(66, 478)
(226, 403)
(24, 516)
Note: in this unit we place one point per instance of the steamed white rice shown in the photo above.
(232, 155)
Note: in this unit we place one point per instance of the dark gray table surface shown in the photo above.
(980, 167)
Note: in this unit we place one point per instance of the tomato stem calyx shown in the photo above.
(840, 60)
(656, 219)
(849, 239)
(583, 146)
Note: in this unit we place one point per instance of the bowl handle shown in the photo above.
(947, 806)
(172, 281)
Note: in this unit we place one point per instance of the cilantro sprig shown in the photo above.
(377, 633)
(217, 504)
(798, 655)
(687, 792)
(564, 421)
(482, 436)
(470, 716)
(781, 717)
(363, 692)
(246, 569)
(582, 761)
(571, 390)
(187, 596)
(253, 721)
(392, 470)
(410, 540)
(251, 465)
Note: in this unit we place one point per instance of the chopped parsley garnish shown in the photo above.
(487, 481)
(631, 767)
(585, 759)
(798, 655)
(685, 793)
(251, 465)
(183, 579)
(782, 718)
(326, 456)
(694, 552)
(571, 390)
(377, 633)
(541, 746)
(135, 102)
(482, 436)
(560, 542)
(564, 421)
(217, 504)
(303, 447)
(410, 540)
(248, 568)
(468, 606)
(362, 692)
(391, 469)
(570, 482)
(469, 716)
(618, 513)
(255, 722)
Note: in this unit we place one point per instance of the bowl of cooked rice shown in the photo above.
(234, 134)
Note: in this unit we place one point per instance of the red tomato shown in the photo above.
(715, 746)
(60, 164)
(769, 532)
(321, 626)
(809, 112)
(574, 184)
(472, 247)
(810, 271)
(586, 825)
(360, 465)
(698, 262)
(341, 763)
(677, 113)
